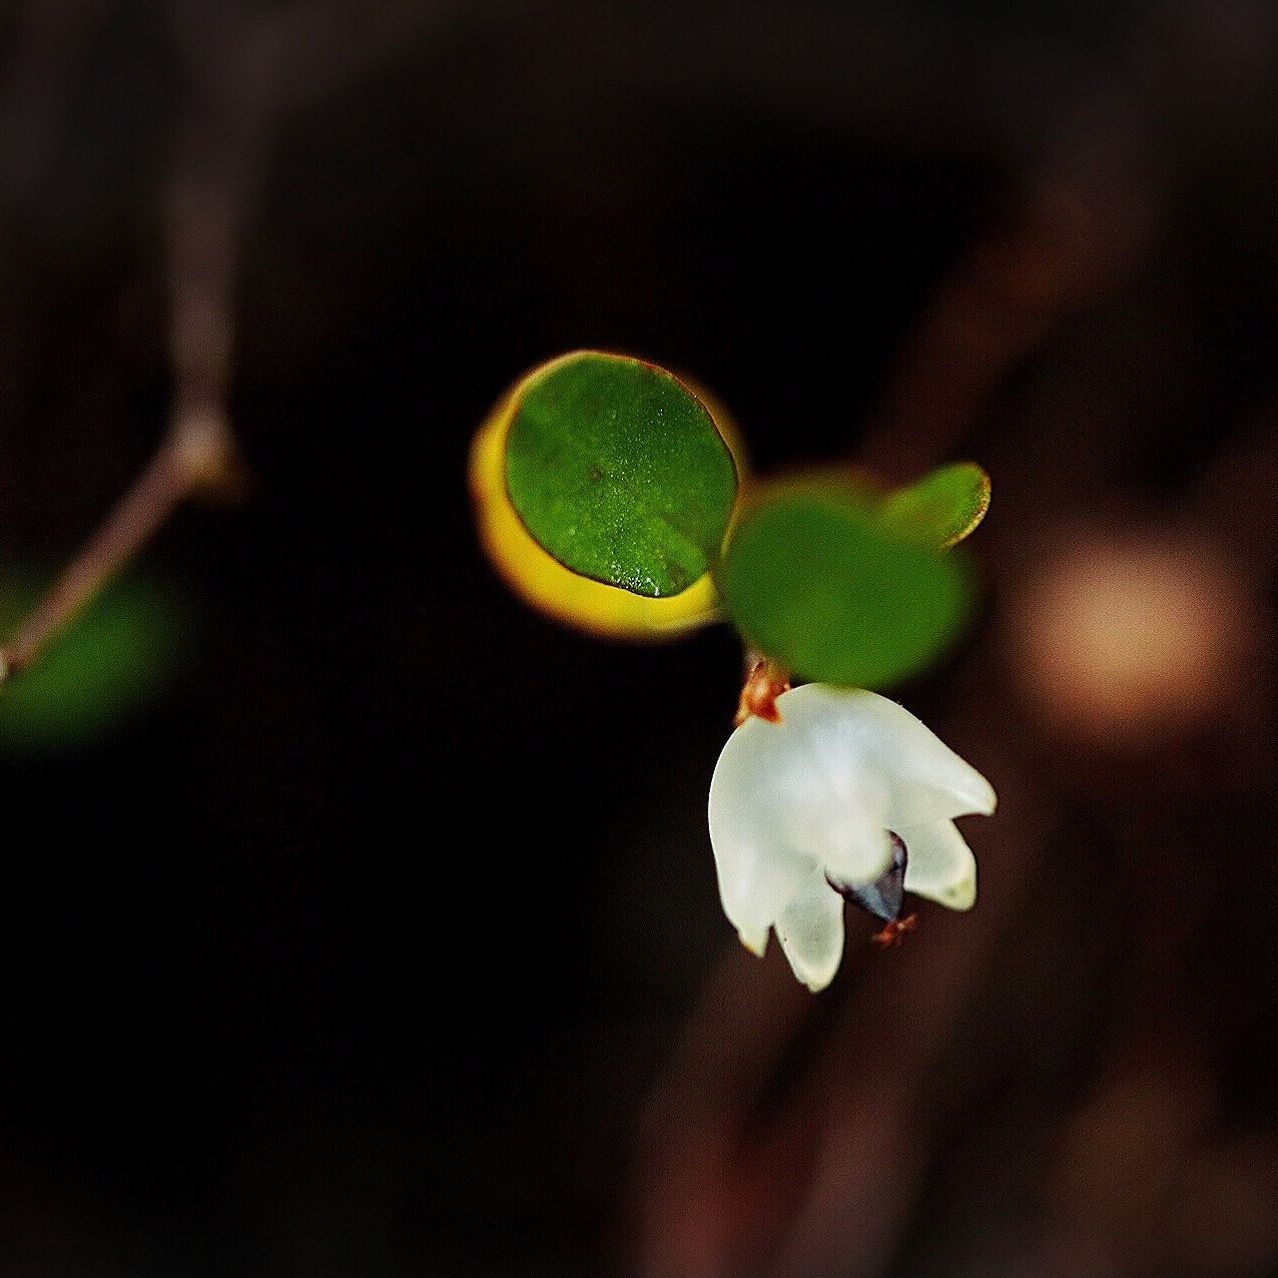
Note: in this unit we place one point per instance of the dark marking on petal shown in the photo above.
(882, 898)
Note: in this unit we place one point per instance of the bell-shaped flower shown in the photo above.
(848, 795)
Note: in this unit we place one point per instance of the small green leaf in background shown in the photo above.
(813, 579)
(104, 667)
(619, 472)
(942, 508)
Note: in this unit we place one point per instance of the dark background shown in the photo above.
(385, 939)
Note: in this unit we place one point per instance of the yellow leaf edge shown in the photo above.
(981, 509)
(540, 579)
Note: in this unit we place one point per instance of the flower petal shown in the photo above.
(784, 803)
(817, 794)
(810, 930)
(756, 882)
(926, 780)
(808, 784)
(940, 865)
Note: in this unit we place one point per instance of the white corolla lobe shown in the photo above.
(804, 809)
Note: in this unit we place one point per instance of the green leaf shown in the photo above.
(942, 508)
(619, 472)
(97, 673)
(813, 580)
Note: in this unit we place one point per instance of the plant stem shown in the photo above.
(764, 683)
(195, 457)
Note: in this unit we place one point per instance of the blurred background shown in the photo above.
(356, 920)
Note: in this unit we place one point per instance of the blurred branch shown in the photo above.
(1231, 498)
(50, 41)
(213, 153)
(1087, 214)
(181, 466)
(306, 51)
(242, 73)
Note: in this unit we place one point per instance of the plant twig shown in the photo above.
(236, 64)
(215, 146)
(193, 458)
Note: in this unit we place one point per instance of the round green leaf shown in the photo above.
(813, 580)
(97, 672)
(619, 472)
(942, 508)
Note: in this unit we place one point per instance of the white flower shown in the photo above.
(803, 805)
